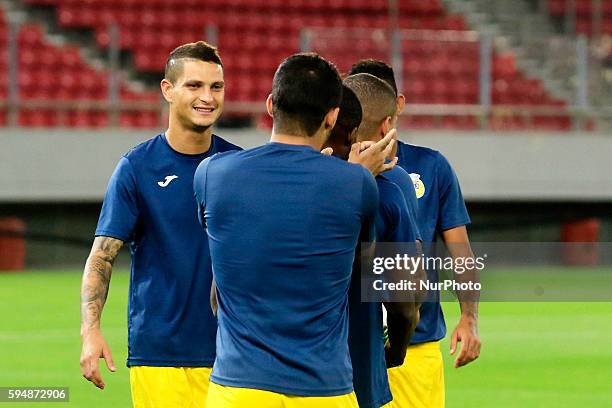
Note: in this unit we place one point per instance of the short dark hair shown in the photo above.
(350, 110)
(200, 51)
(349, 119)
(377, 101)
(305, 88)
(377, 68)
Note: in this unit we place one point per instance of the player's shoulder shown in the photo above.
(354, 170)
(220, 159)
(425, 154)
(144, 149)
(234, 153)
(211, 167)
(228, 161)
(143, 154)
(390, 195)
(388, 187)
(397, 175)
(417, 150)
(222, 145)
(352, 176)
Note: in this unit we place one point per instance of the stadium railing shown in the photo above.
(461, 79)
(452, 79)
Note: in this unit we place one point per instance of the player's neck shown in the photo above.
(314, 141)
(376, 138)
(188, 141)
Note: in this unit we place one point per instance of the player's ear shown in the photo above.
(269, 105)
(401, 102)
(166, 86)
(331, 118)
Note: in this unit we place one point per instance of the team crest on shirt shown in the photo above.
(419, 187)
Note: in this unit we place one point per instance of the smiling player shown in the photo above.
(149, 204)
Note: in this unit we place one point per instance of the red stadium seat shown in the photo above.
(460, 122)
(254, 37)
(556, 7)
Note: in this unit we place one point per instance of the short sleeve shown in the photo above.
(199, 189)
(386, 217)
(369, 197)
(120, 209)
(453, 212)
(414, 227)
(403, 225)
(413, 209)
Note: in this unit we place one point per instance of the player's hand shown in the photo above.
(372, 155)
(393, 357)
(466, 332)
(328, 151)
(94, 348)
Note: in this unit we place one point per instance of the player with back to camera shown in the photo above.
(149, 204)
(419, 382)
(394, 223)
(283, 223)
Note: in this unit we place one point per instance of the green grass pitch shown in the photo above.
(534, 354)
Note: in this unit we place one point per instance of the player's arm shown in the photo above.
(199, 189)
(402, 317)
(213, 297)
(94, 290)
(402, 310)
(373, 156)
(466, 331)
(453, 217)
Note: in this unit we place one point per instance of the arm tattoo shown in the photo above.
(96, 279)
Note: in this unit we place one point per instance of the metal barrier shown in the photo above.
(466, 56)
(569, 71)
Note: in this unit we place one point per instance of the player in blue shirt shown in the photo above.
(420, 381)
(394, 223)
(149, 205)
(283, 223)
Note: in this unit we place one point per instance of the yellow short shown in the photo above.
(220, 396)
(419, 382)
(169, 387)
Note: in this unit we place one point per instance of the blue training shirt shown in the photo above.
(149, 204)
(394, 223)
(441, 207)
(283, 223)
(402, 179)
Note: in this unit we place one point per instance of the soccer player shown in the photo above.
(394, 223)
(149, 204)
(374, 97)
(283, 223)
(419, 382)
